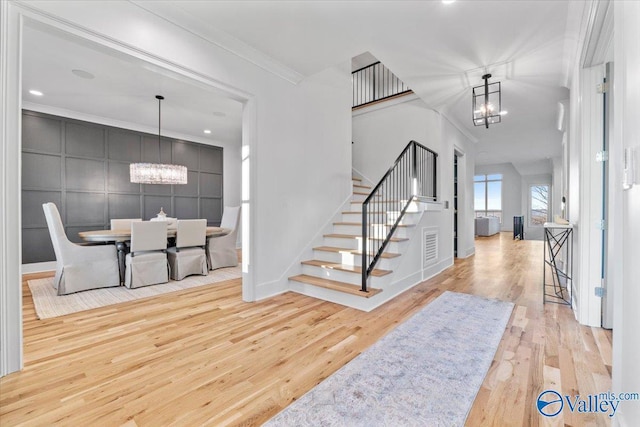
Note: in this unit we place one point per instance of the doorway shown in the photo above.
(455, 205)
(18, 18)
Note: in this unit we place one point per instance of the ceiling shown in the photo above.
(122, 90)
(439, 50)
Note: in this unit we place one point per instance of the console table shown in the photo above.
(558, 253)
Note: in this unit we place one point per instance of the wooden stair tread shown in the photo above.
(355, 236)
(343, 267)
(362, 186)
(360, 224)
(353, 178)
(352, 251)
(361, 193)
(335, 285)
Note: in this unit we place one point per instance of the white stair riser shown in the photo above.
(362, 197)
(342, 276)
(350, 243)
(355, 188)
(357, 230)
(401, 232)
(359, 197)
(341, 243)
(347, 229)
(348, 259)
(409, 217)
(388, 206)
(352, 217)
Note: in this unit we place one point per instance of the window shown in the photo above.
(538, 205)
(488, 195)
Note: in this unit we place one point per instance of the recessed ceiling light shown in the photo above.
(36, 92)
(207, 131)
(83, 74)
(448, 1)
(219, 114)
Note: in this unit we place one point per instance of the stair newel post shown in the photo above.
(435, 176)
(414, 172)
(365, 264)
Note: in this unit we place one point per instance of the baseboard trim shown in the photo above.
(38, 267)
(467, 253)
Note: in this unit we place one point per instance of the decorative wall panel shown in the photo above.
(84, 169)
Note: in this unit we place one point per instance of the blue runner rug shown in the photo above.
(426, 372)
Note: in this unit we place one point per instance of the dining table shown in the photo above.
(121, 237)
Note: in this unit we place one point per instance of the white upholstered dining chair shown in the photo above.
(188, 255)
(222, 249)
(79, 268)
(146, 264)
(123, 223)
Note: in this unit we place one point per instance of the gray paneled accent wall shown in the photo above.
(83, 168)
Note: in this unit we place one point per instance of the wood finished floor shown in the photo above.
(204, 357)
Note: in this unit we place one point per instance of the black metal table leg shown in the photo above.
(122, 252)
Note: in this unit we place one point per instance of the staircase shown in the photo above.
(336, 264)
(347, 271)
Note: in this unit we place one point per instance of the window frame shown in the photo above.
(530, 204)
(486, 181)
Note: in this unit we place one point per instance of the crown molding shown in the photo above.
(121, 124)
(172, 13)
(599, 34)
(456, 124)
(576, 29)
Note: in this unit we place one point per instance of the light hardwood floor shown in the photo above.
(204, 357)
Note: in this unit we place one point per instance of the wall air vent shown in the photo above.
(429, 246)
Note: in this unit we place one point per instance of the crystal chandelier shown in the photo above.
(157, 173)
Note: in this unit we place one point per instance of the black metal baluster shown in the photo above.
(363, 258)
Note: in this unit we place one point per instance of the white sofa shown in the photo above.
(487, 225)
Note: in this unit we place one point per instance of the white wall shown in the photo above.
(304, 168)
(572, 174)
(296, 138)
(626, 322)
(511, 192)
(380, 135)
(556, 188)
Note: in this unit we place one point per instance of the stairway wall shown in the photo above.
(379, 135)
(410, 269)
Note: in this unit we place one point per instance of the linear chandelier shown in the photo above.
(487, 103)
(157, 173)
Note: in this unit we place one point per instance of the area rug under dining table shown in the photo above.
(426, 372)
(48, 304)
